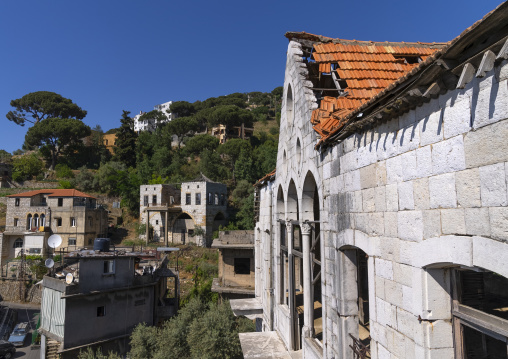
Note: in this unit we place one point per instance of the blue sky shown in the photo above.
(109, 56)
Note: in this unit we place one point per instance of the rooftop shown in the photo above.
(53, 193)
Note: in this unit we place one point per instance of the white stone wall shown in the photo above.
(427, 188)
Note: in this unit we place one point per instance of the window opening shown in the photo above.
(210, 198)
(101, 311)
(16, 202)
(198, 198)
(216, 199)
(242, 265)
(58, 222)
(15, 222)
(72, 241)
(109, 266)
(29, 221)
(73, 222)
(187, 198)
(154, 199)
(18, 243)
(60, 202)
(480, 313)
(145, 201)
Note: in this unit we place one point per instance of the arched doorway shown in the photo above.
(182, 228)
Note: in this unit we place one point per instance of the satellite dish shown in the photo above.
(49, 263)
(69, 278)
(54, 241)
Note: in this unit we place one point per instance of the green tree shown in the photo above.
(156, 115)
(108, 176)
(125, 148)
(144, 342)
(53, 134)
(90, 354)
(41, 105)
(5, 157)
(84, 180)
(214, 335)
(182, 126)
(182, 109)
(26, 166)
(63, 171)
(244, 166)
(196, 144)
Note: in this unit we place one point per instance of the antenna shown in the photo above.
(49, 263)
(54, 241)
(69, 278)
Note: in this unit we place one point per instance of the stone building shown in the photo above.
(102, 298)
(384, 231)
(200, 203)
(224, 133)
(109, 140)
(236, 277)
(33, 216)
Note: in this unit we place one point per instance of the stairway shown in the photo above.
(52, 349)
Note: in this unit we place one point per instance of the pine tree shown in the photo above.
(125, 147)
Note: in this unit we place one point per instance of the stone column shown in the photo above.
(291, 283)
(308, 302)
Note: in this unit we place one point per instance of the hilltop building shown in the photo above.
(174, 214)
(383, 232)
(109, 141)
(33, 216)
(224, 133)
(150, 124)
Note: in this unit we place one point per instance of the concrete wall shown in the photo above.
(425, 188)
(92, 276)
(227, 273)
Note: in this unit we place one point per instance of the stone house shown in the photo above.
(236, 277)
(33, 216)
(98, 299)
(198, 203)
(224, 133)
(384, 231)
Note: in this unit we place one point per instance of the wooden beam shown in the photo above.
(466, 76)
(432, 91)
(503, 54)
(447, 64)
(487, 63)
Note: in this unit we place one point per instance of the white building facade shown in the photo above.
(150, 124)
(385, 234)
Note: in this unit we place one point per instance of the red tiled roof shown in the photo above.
(53, 193)
(366, 67)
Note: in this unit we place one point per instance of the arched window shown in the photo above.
(289, 105)
(18, 243)
(42, 220)
(35, 222)
(29, 221)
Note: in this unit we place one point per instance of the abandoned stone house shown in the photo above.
(383, 232)
(33, 216)
(236, 275)
(200, 203)
(98, 298)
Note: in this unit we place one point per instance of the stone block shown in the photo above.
(352, 181)
(409, 167)
(383, 353)
(442, 191)
(468, 188)
(483, 249)
(406, 200)
(391, 229)
(375, 224)
(394, 169)
(431, 126)
(369, 200)
(386, 313)
(410, 225)
(423, 162)
(380, 199)
(381, 173)
(457, 118)
(421, 193)
(387, 248)
(499, 222)
(452, 249)
(366, 155)
(431, 223)
(490, 105)
(348, 162)
(448, 156)
(407, 298)
(392, 197)
(403, 274)
(407, 323)
(452, 221)
(380, 287)
(487, 145)
(357, 205)
(477, 221)
(368, 176)
(408, 138)
(439, 334)
(493, 185)
(384, 268)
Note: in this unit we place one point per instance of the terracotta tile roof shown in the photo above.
(363, 68)
(266, 177)
(53, 193)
